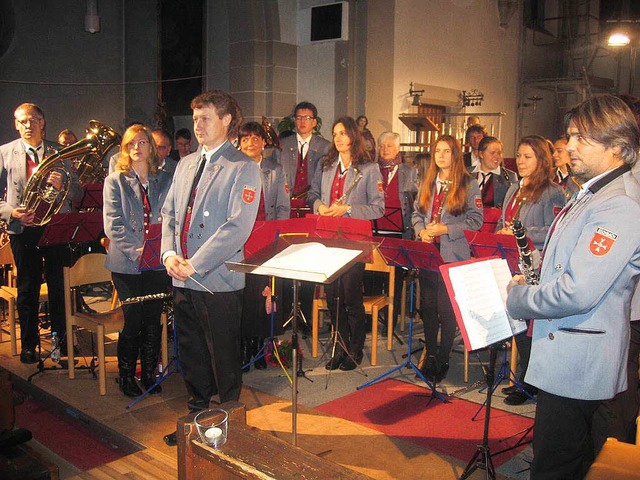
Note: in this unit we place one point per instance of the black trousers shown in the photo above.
(138, 315)
(437, 314)
(562, 444)
(31, 263)
(617, 417)
(349, 311)
(208, 332)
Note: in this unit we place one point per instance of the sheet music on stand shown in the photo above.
(478, 292)
(65, 228)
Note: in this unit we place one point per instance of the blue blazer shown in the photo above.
(366, 199)
(536, 217)
(222, 217)
(123, 216)
(453, 245)
(581, 306)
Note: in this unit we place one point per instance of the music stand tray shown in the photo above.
(276, 260)
(65, 228)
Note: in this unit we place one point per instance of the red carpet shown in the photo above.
(67, 437)
(396, 409)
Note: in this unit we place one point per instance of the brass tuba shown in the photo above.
(86, 162)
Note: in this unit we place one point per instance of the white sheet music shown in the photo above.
(481, 293)
(313, 262)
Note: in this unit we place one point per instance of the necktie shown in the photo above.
(302, 149)
(485, 177)
(34, 155)
(187, 217)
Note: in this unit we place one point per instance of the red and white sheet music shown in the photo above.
(478, 291)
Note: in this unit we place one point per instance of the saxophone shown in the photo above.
(524, 251)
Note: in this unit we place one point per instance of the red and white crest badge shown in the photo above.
(478, 201)
(286, 188)
(556, 210)
(602, 242)
(248, 194)
(380, 186)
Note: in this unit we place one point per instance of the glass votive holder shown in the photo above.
(212, 425)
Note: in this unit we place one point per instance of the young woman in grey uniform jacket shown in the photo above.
(448, 203)
(536, 200)
(347, 183)
(133, 196)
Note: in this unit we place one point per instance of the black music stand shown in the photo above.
(415, 256)
(484, 245)
(264, 262)
(66, 228)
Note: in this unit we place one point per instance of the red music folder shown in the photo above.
(150, 258)
(478, 292)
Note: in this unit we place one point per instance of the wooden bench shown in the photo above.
(250, 454)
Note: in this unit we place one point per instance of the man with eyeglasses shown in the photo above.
(19, 160)
(163, 146)
(300, 154)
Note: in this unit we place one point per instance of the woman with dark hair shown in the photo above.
(367, 136)
(347, 183)
(274, 205)
(133, 196)
(448, 204)
(535, 200)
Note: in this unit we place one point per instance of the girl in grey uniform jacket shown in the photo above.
(347, 183)
(133, 196)
(448, 203)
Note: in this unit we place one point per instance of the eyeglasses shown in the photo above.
(138, 144)
(308, 118)
(29, 121)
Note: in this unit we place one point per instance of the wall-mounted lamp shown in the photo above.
(416, 94)
(92, 19)
(621, 32)
(473, 98)
(619, 39)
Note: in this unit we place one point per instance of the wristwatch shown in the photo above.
(349, 209)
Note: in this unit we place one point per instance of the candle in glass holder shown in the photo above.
(213, 434)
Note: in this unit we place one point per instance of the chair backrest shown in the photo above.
(378, 264)
(88, 269)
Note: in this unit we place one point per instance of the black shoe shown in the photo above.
(516, 398)
(442, 373)
(335, 362)
(351, 362)
(429, 368)
(509, 390)
(28, 356)
(171, 439)
(129, 387)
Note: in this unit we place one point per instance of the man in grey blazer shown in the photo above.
(591, 261)
(300, 154)
(18, 161)
(207, 217)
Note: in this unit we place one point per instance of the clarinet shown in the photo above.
(438, 216)
(525, 261)
(353, 185)
(147, 298)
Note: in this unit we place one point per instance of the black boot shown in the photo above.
(127, 358)
(260, 363)
(149, 352)
(430, 368)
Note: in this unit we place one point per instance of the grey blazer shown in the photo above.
(123, 216)
(407, 190)
(223, 216)
(537, 217)
(288, 157)
(453, 245)
(581, 306)
(366, 199)
(501, 184)
(276, 197)
(13, 180)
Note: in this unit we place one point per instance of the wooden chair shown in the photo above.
(9, 293)
(372, 305)
(90, 269)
